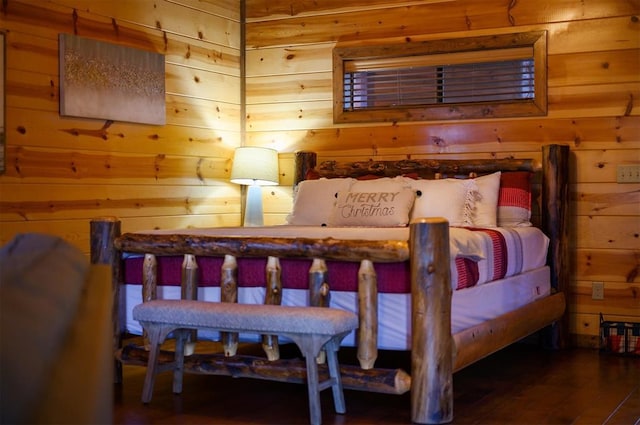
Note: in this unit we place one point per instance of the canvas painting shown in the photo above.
(106, 81)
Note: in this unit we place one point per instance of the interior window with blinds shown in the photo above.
(404, 83)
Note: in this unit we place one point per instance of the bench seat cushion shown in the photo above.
(256, 318)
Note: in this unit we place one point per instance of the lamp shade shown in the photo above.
(255, 166)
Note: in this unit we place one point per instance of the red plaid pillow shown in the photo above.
(514, 199)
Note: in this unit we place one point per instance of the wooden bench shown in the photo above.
(311, 328)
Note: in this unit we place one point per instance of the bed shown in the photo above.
(390, 249)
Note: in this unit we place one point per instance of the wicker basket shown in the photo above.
(619, 337)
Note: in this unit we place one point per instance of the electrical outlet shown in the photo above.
(597, 290)
(628, 174)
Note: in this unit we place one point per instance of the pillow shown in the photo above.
(373, 209)
(486, 200)
(514, 199)
(314, 199)
(452, 199)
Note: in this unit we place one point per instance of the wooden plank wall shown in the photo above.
(62, 171)
(594, 106)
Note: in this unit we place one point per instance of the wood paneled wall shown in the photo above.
(594, 106)
(62, 171)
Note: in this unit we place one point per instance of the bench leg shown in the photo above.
(313, 388)
(157, 335)
(334, 374)
(182, 339)
(310, 346)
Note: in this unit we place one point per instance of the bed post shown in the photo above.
(555, 187)
(304, 163)
(432, 342)
(103, 232)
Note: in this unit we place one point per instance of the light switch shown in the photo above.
(628, 174)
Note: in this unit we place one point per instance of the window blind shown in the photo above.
(415, 81)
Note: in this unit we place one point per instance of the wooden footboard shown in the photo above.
(366, 253)
(436, 353)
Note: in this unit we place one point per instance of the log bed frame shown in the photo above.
(436, 354)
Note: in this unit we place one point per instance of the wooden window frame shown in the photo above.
(537, 106)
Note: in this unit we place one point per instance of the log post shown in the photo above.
(103, 232)
(189, 284)
(149, 278)
(432, 342)
(189, 291)
(555, 198)
(273, 296)
(229, 294)
(368, 315)
(305, 162)
(319, 294)
(149, 287)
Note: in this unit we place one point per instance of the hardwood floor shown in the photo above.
(522, 384)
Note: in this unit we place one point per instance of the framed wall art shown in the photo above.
(107, 81)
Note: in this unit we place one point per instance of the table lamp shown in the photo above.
(254, 167)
